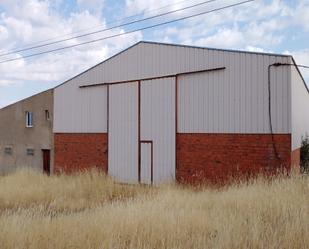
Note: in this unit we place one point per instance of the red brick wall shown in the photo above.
(216, 158)
(295, 158)
(74, 152)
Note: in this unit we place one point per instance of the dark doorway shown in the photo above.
(46, 161)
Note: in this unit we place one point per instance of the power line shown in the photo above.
(129, 32)
(303, 66)
(106, 29)
(109, 23)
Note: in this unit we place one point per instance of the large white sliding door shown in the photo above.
(157, 124)
(141, 131)
(123, 132)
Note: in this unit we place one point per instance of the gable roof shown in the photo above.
(174, 45)
(214, 49)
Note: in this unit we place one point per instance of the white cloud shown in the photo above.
(4, 82)
(256, 24)
(258, 49)
(20, 28)
(252, 35)
(299, 14)
(139, 6)
(31, 10)
(94, 6)
(223, 38)
(4, 34)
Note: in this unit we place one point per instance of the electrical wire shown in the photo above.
(107, 29)
(128, 32)
(107, 24)
(302, 66)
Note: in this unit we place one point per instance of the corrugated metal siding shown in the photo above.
(123, 132)
(158, 125)
(243, 91)
(300, 109)
(146, 163)
(80, 111)
(235, 100)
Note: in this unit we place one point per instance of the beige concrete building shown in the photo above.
(26, 138)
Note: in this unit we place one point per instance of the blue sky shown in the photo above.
(278, 26)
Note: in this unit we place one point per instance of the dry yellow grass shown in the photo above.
(90, 211)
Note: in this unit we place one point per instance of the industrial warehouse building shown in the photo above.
(159, 112)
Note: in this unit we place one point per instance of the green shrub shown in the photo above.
(304, 154)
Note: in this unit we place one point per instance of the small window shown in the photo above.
(8, 150)
(30, 152)
(29, 119)
(47, 115)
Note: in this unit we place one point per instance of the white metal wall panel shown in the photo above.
(300, 109)
(146, 163)
(235, 100)
(80, 110)
(243, 92)
(123, 132)
(158, 125)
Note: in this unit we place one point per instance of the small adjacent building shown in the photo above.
(26, 136)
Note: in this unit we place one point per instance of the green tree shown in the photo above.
(304, 154)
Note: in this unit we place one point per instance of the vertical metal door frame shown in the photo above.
(176, 122)
(139, 130)
(107, 127)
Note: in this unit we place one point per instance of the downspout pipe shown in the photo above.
(278, 157)
(277, 64)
